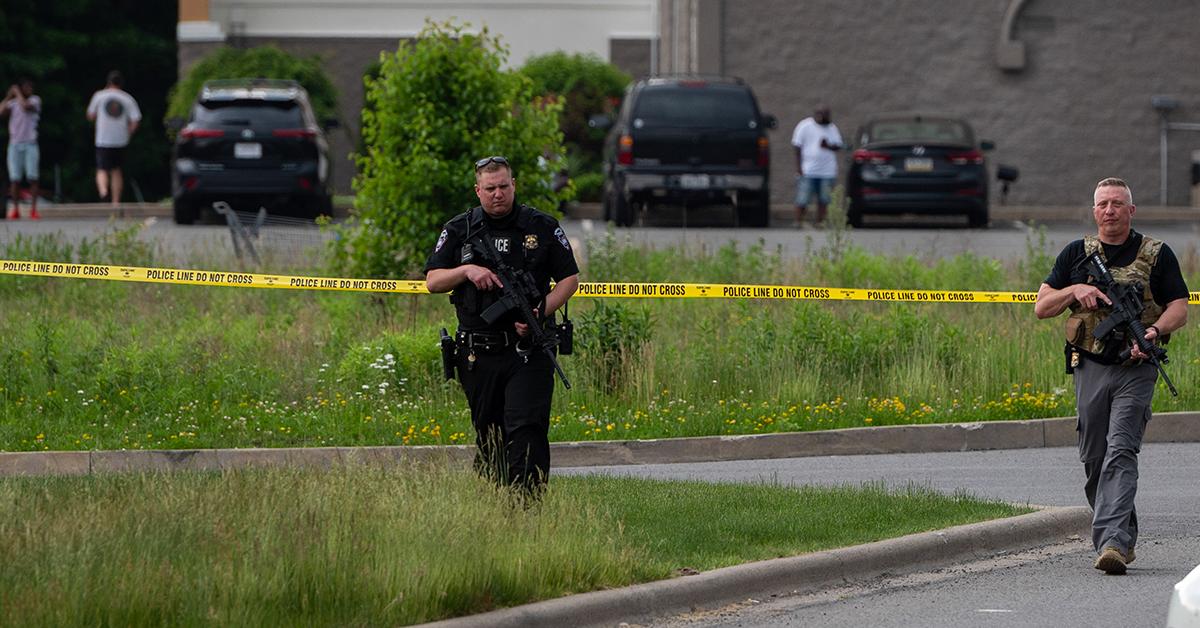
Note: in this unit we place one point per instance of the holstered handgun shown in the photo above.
(449, 348)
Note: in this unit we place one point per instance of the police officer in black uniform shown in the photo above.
(508, 387)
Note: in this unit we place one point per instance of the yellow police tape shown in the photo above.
(597, 290)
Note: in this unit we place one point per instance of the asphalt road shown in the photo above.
(293, 243)
(1053, 586)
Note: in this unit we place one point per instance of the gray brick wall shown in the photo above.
(1079, 111)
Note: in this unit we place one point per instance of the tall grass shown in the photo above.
(108, 365)
(370, 546)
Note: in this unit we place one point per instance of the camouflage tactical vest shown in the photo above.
(1081, 323)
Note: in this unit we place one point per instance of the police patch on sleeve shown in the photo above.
(441, 241)
(562, 238)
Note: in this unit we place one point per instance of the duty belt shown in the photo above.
(486, 340)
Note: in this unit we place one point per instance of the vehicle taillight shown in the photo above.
(625, 150)
(764, 152)
(190, 133)
(862, 156)
(305, 183)
(966, 157)
(190, 183)
(304, 133)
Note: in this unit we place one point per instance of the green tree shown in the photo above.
(439, 104)
(588, 85)
(261, 62)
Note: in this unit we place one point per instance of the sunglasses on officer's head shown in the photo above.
(496, 159)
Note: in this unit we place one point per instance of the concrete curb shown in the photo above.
(794, 575)
(1169, 427)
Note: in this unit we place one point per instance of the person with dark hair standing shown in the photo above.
(116, 115)
(24, 109)
(508, 386)
(1114, 385)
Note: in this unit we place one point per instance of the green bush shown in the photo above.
(587, 85)
(404, 361)
(588, 186)
(262, 62)
(608, 336)
(438, 105)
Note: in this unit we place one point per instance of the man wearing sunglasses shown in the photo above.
(508, 387)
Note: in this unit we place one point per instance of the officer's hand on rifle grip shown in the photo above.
(522, 328)
(1151, 336)
(1089, 296)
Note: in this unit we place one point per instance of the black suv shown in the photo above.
(251, 142)
(678, 140)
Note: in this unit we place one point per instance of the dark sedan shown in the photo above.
(917, 163)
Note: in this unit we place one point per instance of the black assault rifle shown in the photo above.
(1126, 315)
(518, 291)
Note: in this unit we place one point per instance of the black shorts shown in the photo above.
(109, 158)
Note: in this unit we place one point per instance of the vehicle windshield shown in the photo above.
(694, 107)
(256, 113)
(918, 130)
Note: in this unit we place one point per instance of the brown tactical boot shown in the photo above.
(1111, 561)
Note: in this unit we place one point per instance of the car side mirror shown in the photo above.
(987, 145)
(599, 121)
(330, 123)
(769, 121)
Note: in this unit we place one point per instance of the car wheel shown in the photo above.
(754, 209)
(622, 210)
(185, 211)
(606, 202)
(978, 218)
(321, 206)
(854, 216)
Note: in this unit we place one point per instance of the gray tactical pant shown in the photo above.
(1114, 407)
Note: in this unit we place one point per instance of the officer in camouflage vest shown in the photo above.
(1113, 395)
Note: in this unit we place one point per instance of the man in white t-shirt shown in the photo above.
(23, 109)
(817, 141)
(116, 115)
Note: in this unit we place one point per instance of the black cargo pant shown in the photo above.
(509, 398)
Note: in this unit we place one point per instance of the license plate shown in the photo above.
(918, 164)
(694, 181)
(247, 150)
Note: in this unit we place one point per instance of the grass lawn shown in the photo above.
(370, 546)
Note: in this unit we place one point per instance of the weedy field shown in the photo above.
(110, 365)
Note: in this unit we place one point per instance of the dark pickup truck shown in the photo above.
(687, 140)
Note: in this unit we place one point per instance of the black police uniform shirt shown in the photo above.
(524, 238)
(1166, 279)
